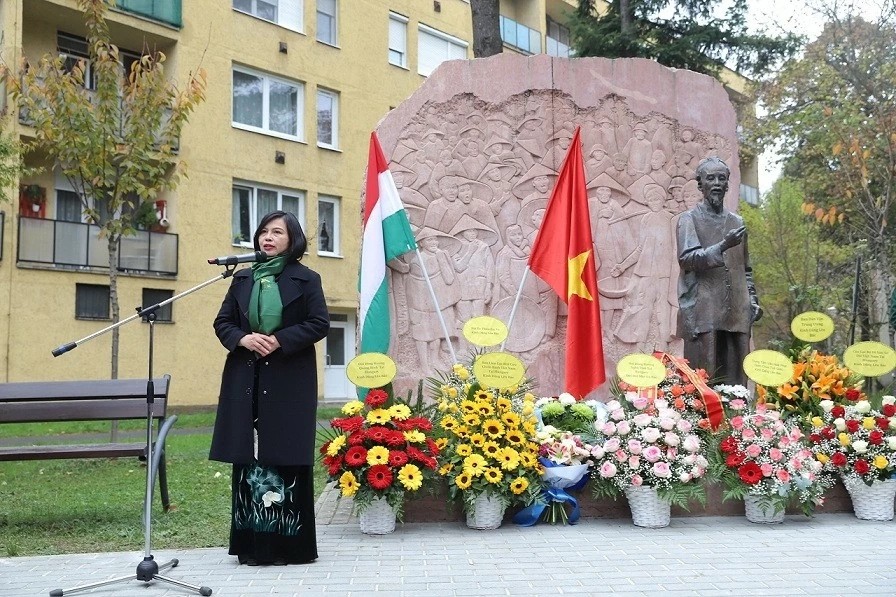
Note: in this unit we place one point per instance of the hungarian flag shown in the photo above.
(563, 256)
(387, 234)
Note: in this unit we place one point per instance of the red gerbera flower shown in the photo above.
(394, 438)
(416, 454)
(376, 398)
(889, 410)
(431, 463)
(379, 476)
(838, 459)
(861, 466)
(750, 473)
(422, 423)
(852, 425)
(432, 446)
(875, 438)
(838, 411)
(735, 460)
(356, 438)
(333, 464)
(377, 434)
(397, 458)
(728, 445)
(347, 424)
(356, 456)
(853, 394)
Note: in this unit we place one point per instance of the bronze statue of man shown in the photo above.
(716, 296)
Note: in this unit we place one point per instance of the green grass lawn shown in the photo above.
(80, 506)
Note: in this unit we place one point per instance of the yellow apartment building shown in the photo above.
(294, 89)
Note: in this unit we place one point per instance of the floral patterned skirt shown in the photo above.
(273, 514)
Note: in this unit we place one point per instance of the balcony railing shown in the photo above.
(73, 245)
(519, 36)
(166, 11)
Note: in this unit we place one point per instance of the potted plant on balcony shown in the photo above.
(32, 198)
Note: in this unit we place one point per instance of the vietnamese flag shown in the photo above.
(563, 256)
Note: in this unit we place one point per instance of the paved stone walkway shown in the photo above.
(830, 554)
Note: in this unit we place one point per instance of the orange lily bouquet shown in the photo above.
(816, 377)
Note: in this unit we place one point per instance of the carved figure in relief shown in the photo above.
(559, 146)
(598, 162)
(530, 139)
(611, 240)
(658, 169)
(414, 201)
(474, 200)
(716, 295)
(425, 327)
(691, 194)
(510, 266)
(638, 151)
(437, 209)
(446, 166)
(690, 148)
(475, 267)
(647, 301)
(619, 171)
(475, 161)
(530, 219)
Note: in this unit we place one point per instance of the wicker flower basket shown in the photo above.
(488, 513)
(873, 502)
(760, 514)
(378, 518)
(648, 510)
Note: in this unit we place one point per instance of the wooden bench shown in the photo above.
(93, 400)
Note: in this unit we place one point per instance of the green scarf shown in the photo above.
(265, 306)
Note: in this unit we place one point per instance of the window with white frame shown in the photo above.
(326, 22)
(252, 202)
(327, 225)
(327, 118)
(73, 51)
(398, 40)
(267, 104)
(435, 47)
(286, 13)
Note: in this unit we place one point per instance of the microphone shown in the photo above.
(259, 256)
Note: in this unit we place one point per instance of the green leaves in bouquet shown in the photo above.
(681, 494)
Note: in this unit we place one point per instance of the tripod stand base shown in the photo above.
(147, 570)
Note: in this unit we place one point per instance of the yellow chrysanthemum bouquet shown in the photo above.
(486, 439)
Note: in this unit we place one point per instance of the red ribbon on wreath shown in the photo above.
(714, 411)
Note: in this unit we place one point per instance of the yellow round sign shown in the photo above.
(485, 331)
(768, 367)
(498, 370)
(812, 326)
(371, 370)
(871, 359)
(641, 370)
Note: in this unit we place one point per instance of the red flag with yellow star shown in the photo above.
(563, 256)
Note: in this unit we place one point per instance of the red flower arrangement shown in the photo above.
(379, 450)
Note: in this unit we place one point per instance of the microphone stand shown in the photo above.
(148, 569)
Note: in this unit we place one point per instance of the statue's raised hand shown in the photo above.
(734, 237)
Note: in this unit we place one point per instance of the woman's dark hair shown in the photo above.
(298, 244)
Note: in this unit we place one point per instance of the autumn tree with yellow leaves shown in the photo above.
(832, 116)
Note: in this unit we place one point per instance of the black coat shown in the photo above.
(287, 378)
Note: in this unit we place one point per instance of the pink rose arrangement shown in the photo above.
(648, 442)
(760, 455)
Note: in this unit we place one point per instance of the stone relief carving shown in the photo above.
(476, 178)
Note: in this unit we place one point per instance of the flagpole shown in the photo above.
(516, 301)
(432, 293)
